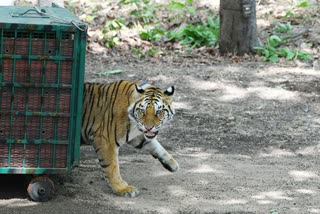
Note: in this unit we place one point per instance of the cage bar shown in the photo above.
(41, 85)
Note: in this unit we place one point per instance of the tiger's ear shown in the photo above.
(169, 91)
(139, 89)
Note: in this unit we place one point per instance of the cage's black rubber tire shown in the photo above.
(41, 189)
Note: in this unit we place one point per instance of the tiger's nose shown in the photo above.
(148, 128)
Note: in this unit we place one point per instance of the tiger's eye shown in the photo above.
(159, 111)
(141, 110)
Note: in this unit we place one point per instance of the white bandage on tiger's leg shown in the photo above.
(158, 152)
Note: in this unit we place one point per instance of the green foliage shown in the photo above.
(116, 24)
(154, 34)
(144, 12)
(146, 20)
(295, 8)
(138, 52)
(149, 52)
(153, 51)
(192, 35)
(273, 50)
(182, 5)
(283, 28)
(111, 42)
(181, 11)
(110, 37)
(304, 56)
(274, 40)
(273, 54)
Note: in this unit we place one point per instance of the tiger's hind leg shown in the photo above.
(108, 159)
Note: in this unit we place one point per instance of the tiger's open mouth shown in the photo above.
(150, 134)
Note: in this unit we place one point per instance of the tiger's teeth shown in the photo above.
(150, 134)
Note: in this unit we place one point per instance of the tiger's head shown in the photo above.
(151, 109)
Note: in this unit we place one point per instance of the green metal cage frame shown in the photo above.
(33, 20)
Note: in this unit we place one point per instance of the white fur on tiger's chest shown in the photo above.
(133, 133)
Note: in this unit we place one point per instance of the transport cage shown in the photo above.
(42, 56)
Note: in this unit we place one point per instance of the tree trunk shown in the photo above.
(238, 26)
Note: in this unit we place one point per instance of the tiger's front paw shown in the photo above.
(170, 164)
(128, 191)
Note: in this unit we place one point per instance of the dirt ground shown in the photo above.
(246, 136)
(245, 133)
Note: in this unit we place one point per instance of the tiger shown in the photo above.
(125, 112)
